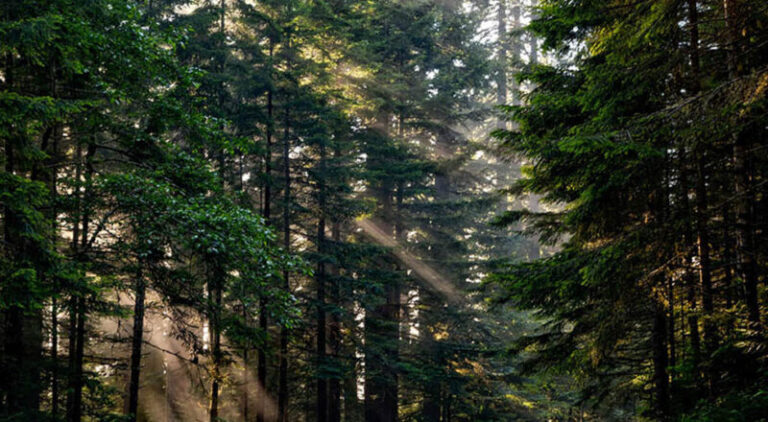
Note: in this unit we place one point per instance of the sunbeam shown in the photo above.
(424, 272)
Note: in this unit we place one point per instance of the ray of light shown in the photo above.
(424, 272)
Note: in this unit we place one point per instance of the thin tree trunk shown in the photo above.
(75, 402)
(352, 404)
(334, 384)
(54, 358)
(322, 382)
(215, 296)
(671, 328)
(395, 312)
(447, 408)
(433, 393)
(745, 245)
(71, 355)
(215, 286)
(688, 281)
(660, 362)
(534, 44)
(73, 301)
(516, 48)
(56, 285)
(137, 341)
(702, 238)
(282, 394)
(5, 358)
(246, 376)
(728, 258)
(705, 275)
(501, 79)
(261, 365)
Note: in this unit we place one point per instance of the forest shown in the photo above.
(383, 210)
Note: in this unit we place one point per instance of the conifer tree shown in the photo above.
(628, 136)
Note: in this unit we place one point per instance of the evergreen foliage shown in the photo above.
(646, 139)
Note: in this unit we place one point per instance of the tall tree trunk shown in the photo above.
(215, 287)
(73, 301)
(136, 343)
(77, 339)
(433, 393)
(745, 243)
(23, 331)
(660, 362)
(71, 349)
(55, 357)
(688, 281)
(282, 393)
(534, 251)
(394, 305)
(515, 46)
(322, 382)
(705, 268)
(245, 394)
(671, 329)
(447, 408)
(381, 326)
(6, 363)
(334, 384)
(533, 41)
(47, 174)
(432, 389)
(57, 132)
(352, 405)
(501, 78)
(261, 365)
(728, 258)
(701, 214)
